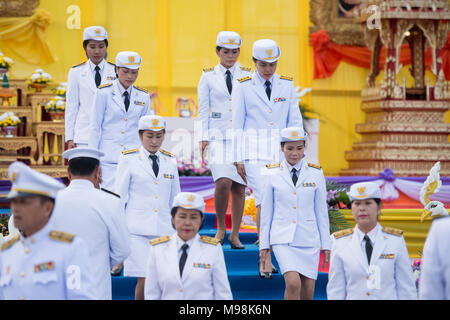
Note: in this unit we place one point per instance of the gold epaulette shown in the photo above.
(79, 64)
(209, 240)
(342, 233)
(394, 231)
(246, 69)
(167, 153)
(159, 240)
(273, 165)
(61, 236)
(287, 78)
(312, 165)
(244, 79)
(208, 69)
(104, 85)
(110, 192)
(10, 242)
(141, 89)
(129, 151)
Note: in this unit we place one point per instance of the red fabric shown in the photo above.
(328, 55)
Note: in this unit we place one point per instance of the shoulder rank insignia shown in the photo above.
(312, 165)
(141, 89)
(110, 192)
(79, 64)
(104, 85)
(209, 240)
(244, 79)
(286, 78)
(10, 242)
(167, 153)
(342, 233)
(246, 69)
(394, 231)
(273, 165)
(130, 151)
(61, 236)
(208, 69)
(159, 240)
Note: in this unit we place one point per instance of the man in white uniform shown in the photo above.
(94, 215)
(40, 262)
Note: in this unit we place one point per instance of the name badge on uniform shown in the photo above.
(309, 184)
(202, 265)
(169, 176)
(139, 103)
(387, 256)
(279, 99)
(216, 115)
(43, 266)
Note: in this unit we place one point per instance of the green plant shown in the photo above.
(4, 219)
(337, 198)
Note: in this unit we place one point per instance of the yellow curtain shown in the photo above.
(26, 38)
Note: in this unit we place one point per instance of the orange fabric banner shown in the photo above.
(328, 55)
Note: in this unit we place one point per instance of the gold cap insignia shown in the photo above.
(269, 52)
(361, 190)
(131, 59)
(191, 198)
(155, 122)
(97, 31)
(14, 176)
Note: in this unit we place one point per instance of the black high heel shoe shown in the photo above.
(264, 275)
(235, 246)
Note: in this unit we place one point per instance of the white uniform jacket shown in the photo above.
(80, 94)
(98, 218)
(295, 215)
(49, 265)
(204, 275)
(147, 199)
(112, 128)
(261, 120)
(435, 274)
(215, 102)
(388, 277)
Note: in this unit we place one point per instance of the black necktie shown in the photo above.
(294, 176)
(98, 78)
(268, 90)
(183, 258)
(155, 164)
(368, 248)
(126, 100)
(229, 84)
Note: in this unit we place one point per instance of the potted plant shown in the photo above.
(39, 79)
(56, 108)
(8, 123)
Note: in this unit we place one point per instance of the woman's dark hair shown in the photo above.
(83, 166)
(85, 43)
(174, 211)
(142, 131)
(283, 143)
(377, 200)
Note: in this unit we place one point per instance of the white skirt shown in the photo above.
(304, 260)
(220, 161)
(135, 264)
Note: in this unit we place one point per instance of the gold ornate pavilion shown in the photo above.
(404, 129)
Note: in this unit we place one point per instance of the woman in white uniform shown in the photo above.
(214, 113)
(369, 262)
(294, 216)
(184, 265)
(147, 182)
(82, 83)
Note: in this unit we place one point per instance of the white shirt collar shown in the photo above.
(297, 166)
(372, 233)
(92, 65)
(263, 81)
(223, 69)
(147, 154)
(122, 89)
(180, 241)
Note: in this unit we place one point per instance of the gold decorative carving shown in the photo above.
(17, 8)
(324, 16)
(53, 171)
